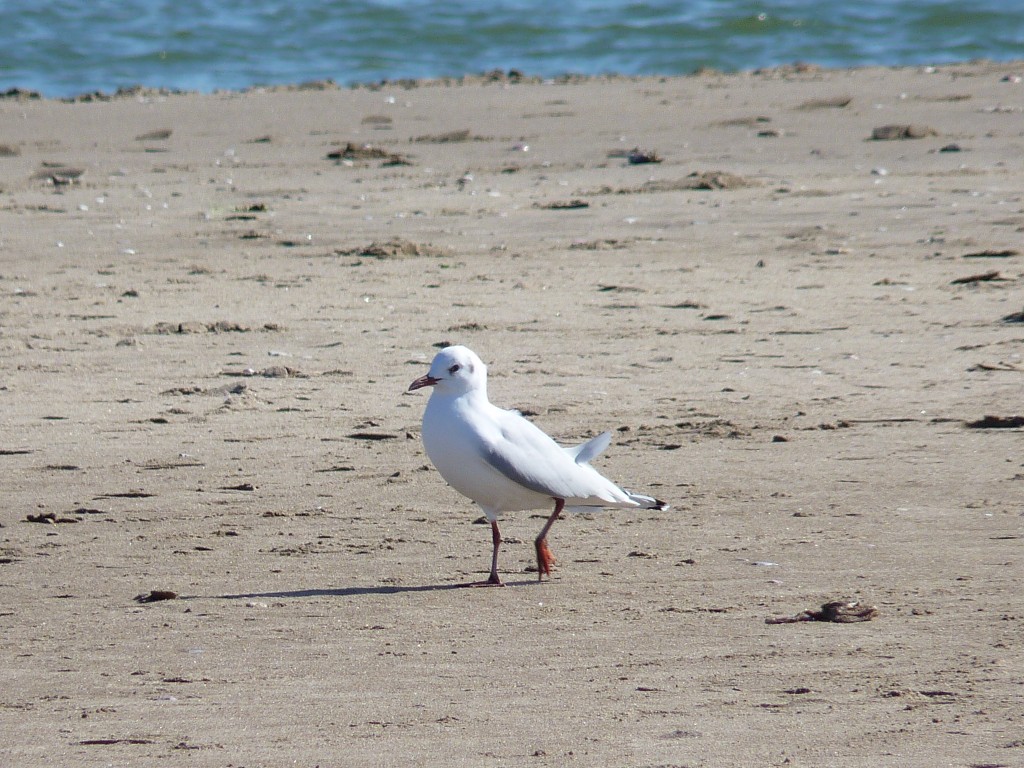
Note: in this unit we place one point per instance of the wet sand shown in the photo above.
(213, 305)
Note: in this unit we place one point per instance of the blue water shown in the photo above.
(67, 47)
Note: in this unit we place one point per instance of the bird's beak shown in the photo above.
(423, 381)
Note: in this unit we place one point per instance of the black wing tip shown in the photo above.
(648, 502)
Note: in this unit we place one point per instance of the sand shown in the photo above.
(794, 331)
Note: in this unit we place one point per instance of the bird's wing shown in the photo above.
(526, 455)
(582, 454)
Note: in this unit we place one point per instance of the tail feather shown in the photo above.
(582, 454)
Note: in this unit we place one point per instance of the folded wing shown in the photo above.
(524, 454)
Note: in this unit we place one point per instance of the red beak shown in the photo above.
(423, 381)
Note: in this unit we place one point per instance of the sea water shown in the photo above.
(67, 47)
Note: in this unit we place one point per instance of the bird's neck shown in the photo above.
(472, 398)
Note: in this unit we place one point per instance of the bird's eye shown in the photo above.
(454, 369)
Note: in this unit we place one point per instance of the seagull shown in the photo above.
(504, 462)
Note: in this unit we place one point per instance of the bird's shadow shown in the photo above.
(358, 591)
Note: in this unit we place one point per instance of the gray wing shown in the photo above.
(582, 454)
(524, 454)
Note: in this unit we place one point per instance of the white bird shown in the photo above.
(502, 461)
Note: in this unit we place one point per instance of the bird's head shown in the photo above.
(454, 371)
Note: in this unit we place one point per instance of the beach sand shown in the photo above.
(807, 340)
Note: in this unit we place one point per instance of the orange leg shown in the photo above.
(545, 560)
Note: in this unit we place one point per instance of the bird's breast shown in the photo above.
(453, 438)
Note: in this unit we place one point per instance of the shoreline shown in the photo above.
(513, 76)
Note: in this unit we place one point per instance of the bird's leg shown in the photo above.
(496, 541)
(544, 557)
(493, 580)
